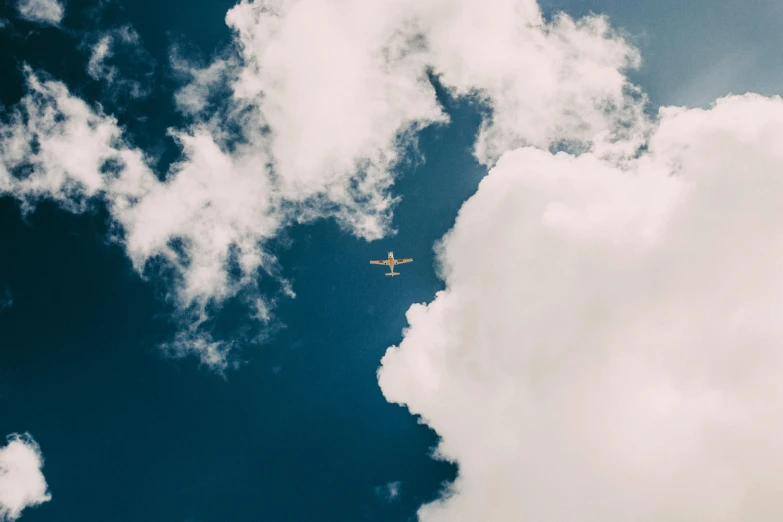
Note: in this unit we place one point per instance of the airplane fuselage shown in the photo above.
(391, 263)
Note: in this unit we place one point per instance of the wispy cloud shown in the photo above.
(22, 483)
(134, 79)
(389, 492)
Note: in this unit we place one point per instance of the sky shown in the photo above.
(190, 193)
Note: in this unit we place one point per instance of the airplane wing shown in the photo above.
(385, 262)
(401, 261)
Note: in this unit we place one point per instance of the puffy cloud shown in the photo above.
(363, 68)
(306, 117)
(22, 484)
(340, 87)
(607, 347)
(332, 92)
(546, 83)
(55, 146)
(208, 216)
(41, 11)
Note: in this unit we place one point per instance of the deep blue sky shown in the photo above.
(301, 432)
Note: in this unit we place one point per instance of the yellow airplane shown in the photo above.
(391, 263)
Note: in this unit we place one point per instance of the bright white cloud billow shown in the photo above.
(340, 86)
(305, 118)
(22, 484)
(41, 11)
(607, 347)
(545, 83)
(55, 146)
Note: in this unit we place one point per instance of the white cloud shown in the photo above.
(389, 492)
(100, 51)
(340, 86)
(41, 11)
(545, 82)
(202, 83)
(55, 146)
(307, 119)
(355, 72)
(212, 204)
(22, 484)
(123, 42)
(607, 345)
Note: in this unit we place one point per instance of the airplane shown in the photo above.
(391, 263)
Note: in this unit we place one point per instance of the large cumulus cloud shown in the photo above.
(607, 347)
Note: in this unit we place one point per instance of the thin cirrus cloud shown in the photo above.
(22, 483)
(306, 117)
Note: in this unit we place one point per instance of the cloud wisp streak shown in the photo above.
(125, 43)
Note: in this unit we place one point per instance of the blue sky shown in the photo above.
(696, 52)
(190, 330)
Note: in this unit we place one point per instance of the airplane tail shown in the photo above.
(392, 273)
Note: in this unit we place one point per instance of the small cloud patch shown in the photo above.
(22, 484)
(389, 492)
(41, 11)
(110, 59)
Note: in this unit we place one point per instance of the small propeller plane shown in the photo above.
(391, 263)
